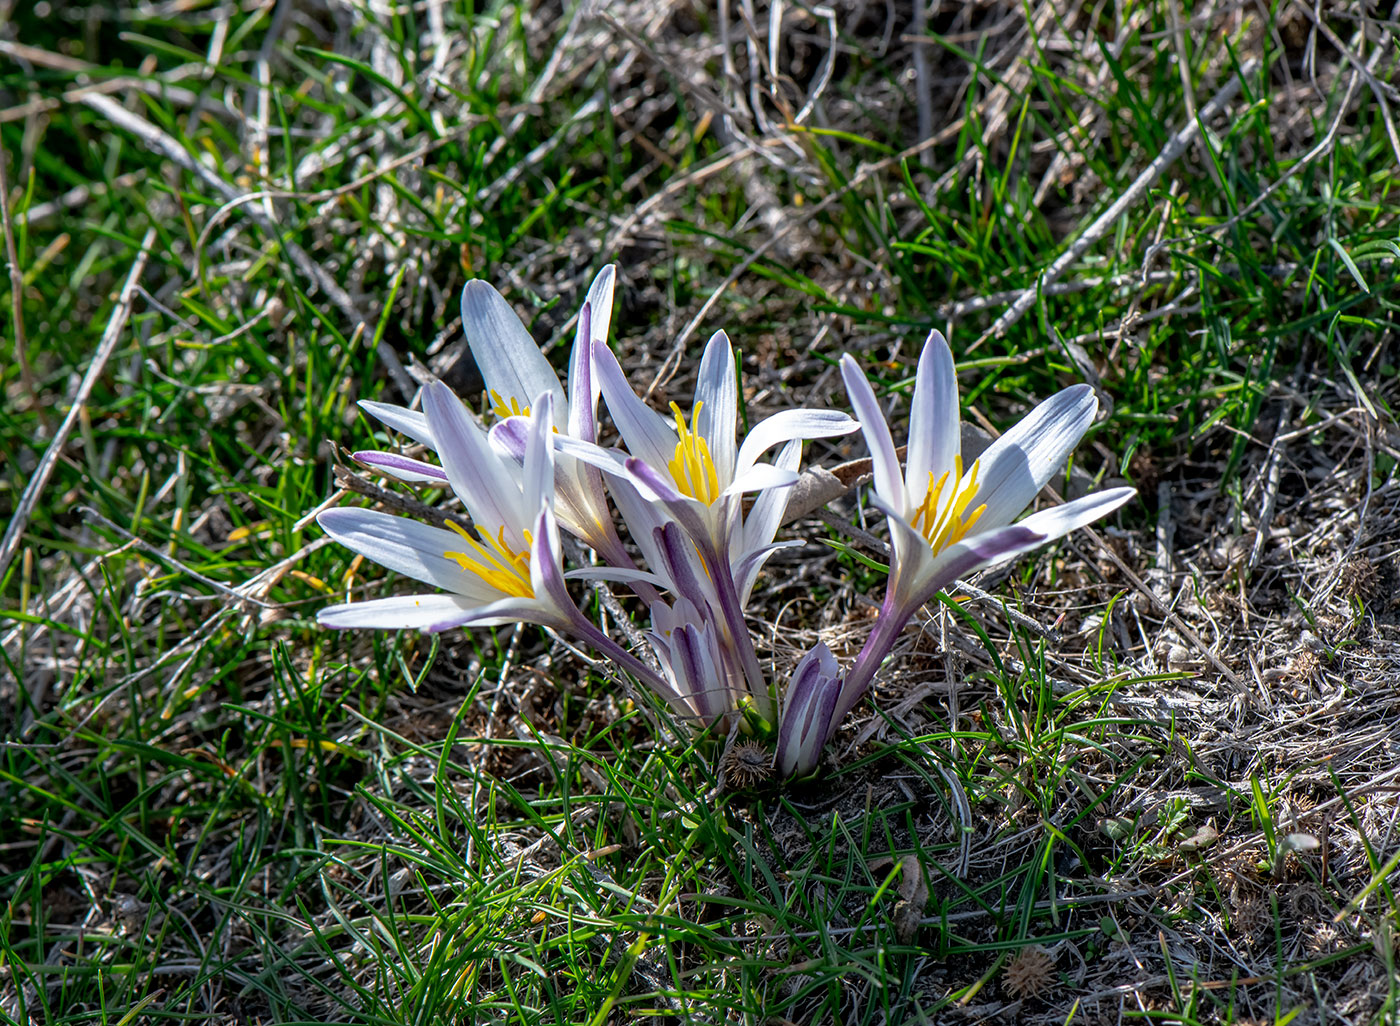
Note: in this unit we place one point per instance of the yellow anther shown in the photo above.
(504, 409)
(947, 525)
(495, 561)
(693, 469)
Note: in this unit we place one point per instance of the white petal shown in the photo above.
(486, 486)
(647, 435)
(746, 567)
(717, 400)
(538, 483)
(510, 362)
(402, 612)
(760, 477)
(990, 548)
(1058, 521)
(913, 559)
(767, 513)
(600, 302)
(403, 420)
(934, 437)
(788, 425)
(642, 518)
(611, 461)
(583, 392)
(1018, 464)
(546, 572)
(620, 574)
(884, 461)
(404, 546)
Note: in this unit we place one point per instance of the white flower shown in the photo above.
(515, 372)
(506, 569)
(695, 468)
(947, 520)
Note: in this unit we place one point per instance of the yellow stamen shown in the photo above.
(504, 409)
(495, 561)
(693, 468)
(947, 525)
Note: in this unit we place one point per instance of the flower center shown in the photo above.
(947, 524)
(503, 409)
(495, 562)
(693, 468)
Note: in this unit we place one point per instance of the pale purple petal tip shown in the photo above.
(401, 467)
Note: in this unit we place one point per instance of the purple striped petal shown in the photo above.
(809, 706)
(401, 468)
(547, 571)
(689, 513)
(679, 565)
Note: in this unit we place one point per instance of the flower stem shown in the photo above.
(889, 623)
(736, 630)
(605, 645)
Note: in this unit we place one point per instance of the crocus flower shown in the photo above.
(507, 568)
(947, 520)
(694, 472)
(694, 465)
(515, 371)
(809, 708)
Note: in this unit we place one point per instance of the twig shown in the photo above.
(1161, 575)
(1272, 472)
(923, 87)
(26, 376)
(1176, 146)
(440, 517)
(105, 348)
(159, 141)
(164, 557)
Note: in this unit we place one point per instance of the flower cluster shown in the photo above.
(678, 486)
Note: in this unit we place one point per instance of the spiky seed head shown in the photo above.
(1305, 667)
(1252, 915)
(747, 763)
(1360, 578)
(1030, 974)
